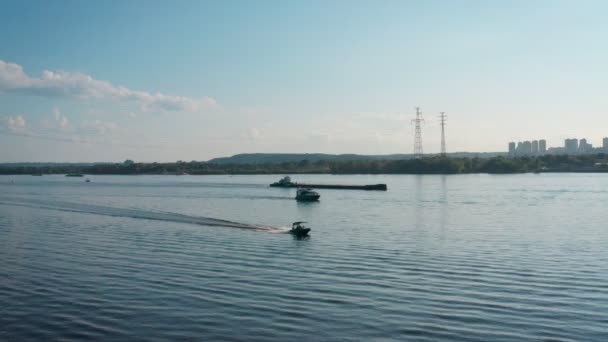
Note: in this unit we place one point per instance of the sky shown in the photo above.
(86, 81)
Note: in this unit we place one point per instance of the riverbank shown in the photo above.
(596, 163)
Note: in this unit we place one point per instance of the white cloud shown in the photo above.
(14, 123)
(99, 127)
(60, 121)
(78, 85)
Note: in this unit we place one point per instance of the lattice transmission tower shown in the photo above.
(418, 136)
(443, 118)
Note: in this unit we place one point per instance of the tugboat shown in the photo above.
(284, 182)
(307, 195)
(298, 229)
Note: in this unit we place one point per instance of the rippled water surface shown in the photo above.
(476, 257)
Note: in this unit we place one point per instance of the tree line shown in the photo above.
(426, 165)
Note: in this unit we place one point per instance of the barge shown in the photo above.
(287, 183)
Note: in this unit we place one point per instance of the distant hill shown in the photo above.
(273, 158)
(48, 164)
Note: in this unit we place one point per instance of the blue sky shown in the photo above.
(192, 80)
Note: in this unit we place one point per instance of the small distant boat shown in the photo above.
(88, 180)
(298, 229)
(74, 175)
(307, 195)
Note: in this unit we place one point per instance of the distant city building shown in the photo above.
(511, 148)
(526, 148)
(556, 150)
(584, 147)
(535, 147)
(571, 146)
(542, 146)
(520, 148)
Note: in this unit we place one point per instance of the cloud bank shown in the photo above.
(13, 123)
(77, 85)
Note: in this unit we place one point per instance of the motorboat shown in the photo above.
(307, 195)
(298, 229)
(74, 175)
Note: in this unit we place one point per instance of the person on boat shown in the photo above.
(298, 229)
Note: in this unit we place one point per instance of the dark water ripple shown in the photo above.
(148, 263)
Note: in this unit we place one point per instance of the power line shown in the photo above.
(418, 136)
(443, 118)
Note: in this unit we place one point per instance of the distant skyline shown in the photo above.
(193, 80)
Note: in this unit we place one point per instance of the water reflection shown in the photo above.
(443, 207)
(296, 237)
(419, 199)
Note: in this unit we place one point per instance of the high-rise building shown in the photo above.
(584, 147)
(511, 148)
(605, 144)
(520, 148)
(542, 146)
(535, 147)
(526, 148)
(571, 146)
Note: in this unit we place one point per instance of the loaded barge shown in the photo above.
(287, 183)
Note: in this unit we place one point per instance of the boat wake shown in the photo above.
(134, 213)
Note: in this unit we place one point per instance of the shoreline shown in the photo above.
(312, 173)
(434, 165)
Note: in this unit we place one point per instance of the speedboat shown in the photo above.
(307, 195)
(298, 229)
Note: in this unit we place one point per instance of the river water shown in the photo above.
(436, 258)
